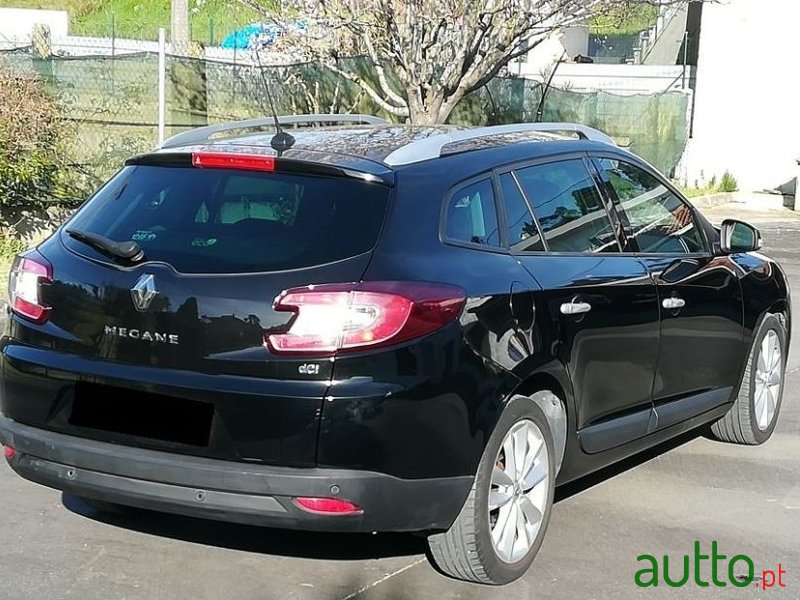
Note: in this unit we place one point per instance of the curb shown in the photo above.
(713, 200)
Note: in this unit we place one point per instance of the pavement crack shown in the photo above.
(386, 577)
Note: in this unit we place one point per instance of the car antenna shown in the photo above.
(281, 141)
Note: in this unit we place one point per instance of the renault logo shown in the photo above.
(144, 291)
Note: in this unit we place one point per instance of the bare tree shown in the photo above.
(424, 56)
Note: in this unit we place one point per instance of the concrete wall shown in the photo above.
(747, 101)
(16, 23)
(617, 79)
(583, 77)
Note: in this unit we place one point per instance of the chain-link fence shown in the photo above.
(112, 100)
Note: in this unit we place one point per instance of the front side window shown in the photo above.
(660, 222)
(471, 215)
(568, 207)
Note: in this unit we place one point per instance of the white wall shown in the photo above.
(617, 79)
(575, 40)
(16, 23)
(747, 102)
(614, 78)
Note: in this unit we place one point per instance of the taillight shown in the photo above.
(328, 506)
(333, 318)
(9, 452)
(28, 273)
(233, 160)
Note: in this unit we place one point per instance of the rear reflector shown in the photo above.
(28, 273)
(328, 506)
(232, 160)
(9, 452)
(335, 318)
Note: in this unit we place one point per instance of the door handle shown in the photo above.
(575, 308)
(673, 303)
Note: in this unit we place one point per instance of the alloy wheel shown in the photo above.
(769, 378)
(519, 491)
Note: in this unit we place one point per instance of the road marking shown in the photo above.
(382, 579)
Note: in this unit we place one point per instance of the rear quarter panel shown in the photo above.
(426, 409)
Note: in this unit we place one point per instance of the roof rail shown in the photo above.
(432, 147)
(202, 134)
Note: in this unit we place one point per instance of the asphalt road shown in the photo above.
(746, 499)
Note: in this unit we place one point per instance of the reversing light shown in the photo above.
(328, 506)
(232, 160)
(28, 273)
(334, 318)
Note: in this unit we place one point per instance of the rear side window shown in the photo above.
(568, 207)
(471, 215)
(520, 228)
(217, 221)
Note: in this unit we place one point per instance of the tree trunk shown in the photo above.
(180, 25)
(434, 110)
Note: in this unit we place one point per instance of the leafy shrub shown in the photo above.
(728, 183)
(32, 143)
(10, 245)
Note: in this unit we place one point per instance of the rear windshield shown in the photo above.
(216, 221)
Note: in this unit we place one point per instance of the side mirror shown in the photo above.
(738, 236)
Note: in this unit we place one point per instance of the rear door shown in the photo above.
(700, 299)
(190, 320)
(599, 303)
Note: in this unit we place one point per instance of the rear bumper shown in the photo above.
(229, 491)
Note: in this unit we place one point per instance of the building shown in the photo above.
(736, 58)
(746, 116)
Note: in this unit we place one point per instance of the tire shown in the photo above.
(745, 422)
(467, 550)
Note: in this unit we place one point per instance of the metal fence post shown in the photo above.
(113, 52)
(233, 77)
(162, 85)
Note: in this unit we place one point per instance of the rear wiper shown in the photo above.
(130, 250)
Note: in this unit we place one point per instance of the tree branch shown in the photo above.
(391, 95)
(398, 111)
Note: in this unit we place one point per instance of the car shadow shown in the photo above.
(573, 488)
(314, 545)
(249, 538)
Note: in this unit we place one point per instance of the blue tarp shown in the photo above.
(251, 36)
(256, 36)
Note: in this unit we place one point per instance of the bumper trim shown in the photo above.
(229, 491)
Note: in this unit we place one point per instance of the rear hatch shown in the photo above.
(185, 326)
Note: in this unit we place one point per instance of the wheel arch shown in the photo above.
(553, 396)
(782, 309)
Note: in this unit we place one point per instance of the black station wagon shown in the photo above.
(383, 328)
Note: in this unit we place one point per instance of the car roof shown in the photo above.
(371, 138)
(371, 142)
(381, 149)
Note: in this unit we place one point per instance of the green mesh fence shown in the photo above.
(655, 127)
(113, 103)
